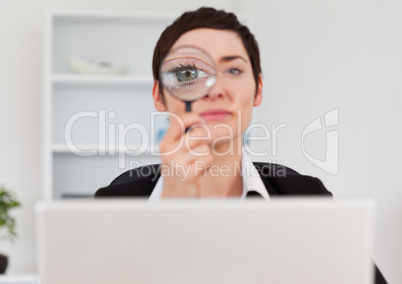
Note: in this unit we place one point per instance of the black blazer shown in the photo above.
(278, 180)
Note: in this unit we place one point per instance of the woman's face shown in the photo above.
(227, 109)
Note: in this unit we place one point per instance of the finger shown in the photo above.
(197, 149)
(178, 124)
(175, 135)
(201, 166)
(185, 162)
(199, 134)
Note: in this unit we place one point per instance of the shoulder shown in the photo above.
(138, 182)
(282, 180)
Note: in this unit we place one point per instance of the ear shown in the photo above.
(157, 96)
(258, 95)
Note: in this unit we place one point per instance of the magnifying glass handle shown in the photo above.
(188, 109)
(188, 106)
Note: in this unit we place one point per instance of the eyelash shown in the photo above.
(180, 67)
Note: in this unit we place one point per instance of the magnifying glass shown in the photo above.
(188, 73)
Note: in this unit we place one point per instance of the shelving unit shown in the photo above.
(95, 125)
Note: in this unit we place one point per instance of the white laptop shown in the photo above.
(205, 241)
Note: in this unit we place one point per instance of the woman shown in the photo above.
(231, 100)
(210, 161)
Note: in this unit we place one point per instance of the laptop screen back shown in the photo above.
(133, 241)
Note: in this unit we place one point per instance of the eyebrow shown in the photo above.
(232, 57)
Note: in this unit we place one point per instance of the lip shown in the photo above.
(215, 114)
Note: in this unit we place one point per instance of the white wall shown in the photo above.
(321, 55)
(317, 56)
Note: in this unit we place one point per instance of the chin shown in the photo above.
(221, 137)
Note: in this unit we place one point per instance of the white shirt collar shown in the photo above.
(251, 180)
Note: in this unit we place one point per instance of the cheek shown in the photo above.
(246, 119)
(244, 89)
(244, 98)
(174, 105)
(245, 103)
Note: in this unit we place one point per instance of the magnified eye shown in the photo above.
(179, 76)
(184, 72)
(186, 75)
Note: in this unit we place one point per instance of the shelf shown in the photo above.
(72, 79)
(84, 150)
(19, 279)
(110, 15)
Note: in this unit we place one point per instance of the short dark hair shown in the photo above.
(206, 18)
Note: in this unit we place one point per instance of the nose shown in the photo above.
(217, 90)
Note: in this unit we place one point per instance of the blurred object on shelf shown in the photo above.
(83, 66)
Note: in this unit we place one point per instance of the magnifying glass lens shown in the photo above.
(188, 73)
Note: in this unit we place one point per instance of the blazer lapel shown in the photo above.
(265, 179)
